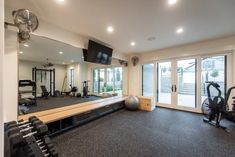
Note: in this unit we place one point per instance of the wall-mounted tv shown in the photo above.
(98, 53)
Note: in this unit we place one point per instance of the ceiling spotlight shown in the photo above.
(179, 30)
(26, 45)
(63, 62)
(132, 43)
(21, 52)
(110, 29)
(172, 2)
(72, 61)
(61, 52)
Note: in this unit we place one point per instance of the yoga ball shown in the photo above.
(132, 103)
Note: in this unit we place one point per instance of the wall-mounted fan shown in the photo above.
(135, 60)
(26, 22)
(123, 63)
(48, 64)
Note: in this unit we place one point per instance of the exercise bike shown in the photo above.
(215, 108)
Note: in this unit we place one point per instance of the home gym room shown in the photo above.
(117, 78)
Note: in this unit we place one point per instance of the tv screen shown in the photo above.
(98, 53)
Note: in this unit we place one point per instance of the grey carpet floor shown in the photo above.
(161, 133)
(56, 102)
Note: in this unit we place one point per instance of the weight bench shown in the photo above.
(45, 93)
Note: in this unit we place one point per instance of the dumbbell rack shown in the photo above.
(28, 139)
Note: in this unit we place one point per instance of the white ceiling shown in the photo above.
(41, 48)
(137, 20)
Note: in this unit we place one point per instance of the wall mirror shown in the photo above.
(52, 74)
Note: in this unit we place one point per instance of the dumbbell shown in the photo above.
(21, 123)
(17, 136)
(36, 125)
(36, 148)
(50, 146)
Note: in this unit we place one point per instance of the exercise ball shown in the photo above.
(132, 103)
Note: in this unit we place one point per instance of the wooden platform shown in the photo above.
(56, 114)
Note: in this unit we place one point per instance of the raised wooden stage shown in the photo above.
(61, 119)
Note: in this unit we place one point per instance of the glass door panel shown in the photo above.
(95, 81)
(186, 83)
(147, 79)
(213, 69)
(164, 83)
(101, 80)
(109, 79)
(118, 80)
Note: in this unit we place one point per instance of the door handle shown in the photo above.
(172, 88)
(175, 88)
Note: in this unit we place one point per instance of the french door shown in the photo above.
(98, 80)
(107, 80)
(181, 83)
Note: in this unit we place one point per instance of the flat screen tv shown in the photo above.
(98, 53)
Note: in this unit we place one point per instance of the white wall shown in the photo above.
(10, 75)
(25, 72)
(1, 76)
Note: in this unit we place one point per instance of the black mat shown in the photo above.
(56, 102)
(162, 133)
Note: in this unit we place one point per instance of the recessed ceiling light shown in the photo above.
(132, 43)
(172, 2)
(63, 62)
(180, 30)
(72, 61)
(60, 1)
(21, 52)
(110, 29)
(26, 45)
(61, 52)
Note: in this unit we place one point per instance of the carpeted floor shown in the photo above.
(56, 102)
(162, 133)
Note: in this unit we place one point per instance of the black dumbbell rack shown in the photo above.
(28, 139)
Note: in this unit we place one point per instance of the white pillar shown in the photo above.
(10, 76)
(1, 75)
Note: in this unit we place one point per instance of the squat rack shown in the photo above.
(52, 78)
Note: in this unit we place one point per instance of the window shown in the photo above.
(147, 79)
(71, 75)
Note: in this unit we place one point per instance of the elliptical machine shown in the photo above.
(215, 108)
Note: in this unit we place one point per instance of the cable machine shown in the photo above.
(51, 72)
